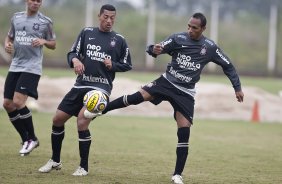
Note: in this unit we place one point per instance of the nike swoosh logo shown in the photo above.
(91, 38)
(184, 46)
(23, 87)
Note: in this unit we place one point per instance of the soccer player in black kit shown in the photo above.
(190, 51)
(96, 55)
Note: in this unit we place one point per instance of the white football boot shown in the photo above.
(31, 145)
(90, 115)
(50, 165)
(24, 147)
(80, 172)
(177, 179)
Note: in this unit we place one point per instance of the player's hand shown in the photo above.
(108, 64)
(9, 47)
(157, 49)
(78, 66)
(239, 96)
(38, 42)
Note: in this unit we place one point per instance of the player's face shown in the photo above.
(33, 6)
(107, 20)
(195, 29)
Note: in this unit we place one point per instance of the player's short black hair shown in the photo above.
(201, 17)
(108, 7)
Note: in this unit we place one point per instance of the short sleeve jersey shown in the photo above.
(24, 29)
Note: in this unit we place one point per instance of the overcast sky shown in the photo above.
(135, 3)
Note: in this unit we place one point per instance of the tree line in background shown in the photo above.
(243, 28)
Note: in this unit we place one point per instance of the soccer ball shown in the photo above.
(95, 101)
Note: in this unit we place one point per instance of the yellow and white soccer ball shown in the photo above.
(95, 102)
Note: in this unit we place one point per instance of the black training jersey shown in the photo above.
(189, 57)
(91, 48)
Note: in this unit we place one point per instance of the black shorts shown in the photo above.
(162, 90)
(72, 103)
(22, 82)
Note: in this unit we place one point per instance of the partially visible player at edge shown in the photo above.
(190, 51)
(30, 30)
(97, 54)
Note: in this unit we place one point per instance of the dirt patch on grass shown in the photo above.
(213, 100)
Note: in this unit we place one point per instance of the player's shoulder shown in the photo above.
(43, 18)
(182, 35)
(19, 14)
(89, 29)
(118, 35)
(179, 36)
(209, 42)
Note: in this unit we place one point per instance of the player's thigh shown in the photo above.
(181, 120)
(27, 84)
(9, 105)
(19, 100)
(72, 102)
(146, 95)
(183, 106)
(60, 118)
(10, 84)
(82, 121)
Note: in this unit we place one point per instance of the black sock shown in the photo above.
(183, 135)
(26, 117)
(84, 147)
(18, 124)
(57, 137)
(124, 101)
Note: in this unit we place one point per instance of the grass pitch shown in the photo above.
(141, 150)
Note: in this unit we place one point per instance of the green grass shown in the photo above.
(141, 150)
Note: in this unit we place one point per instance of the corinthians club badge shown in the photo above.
(203, 50)
(35, 27)
(113, 42)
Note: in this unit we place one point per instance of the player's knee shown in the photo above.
(58, 121)
(146, 96)
(60, 118)
(5, 105)
(181, 120)
(17, 103)
(82, 125)
(8, 105)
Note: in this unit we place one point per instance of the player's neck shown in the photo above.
(31, 13)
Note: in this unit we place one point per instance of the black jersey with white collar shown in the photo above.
(91, 48)
(189, 57)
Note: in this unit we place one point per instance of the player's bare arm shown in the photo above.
(239, 96)
(9, 47)
(157, 49)
(78, 66)
(108, 63)
(51, 44)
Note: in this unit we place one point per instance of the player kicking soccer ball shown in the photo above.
(190, 52)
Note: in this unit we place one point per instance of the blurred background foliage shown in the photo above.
(242, 32)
